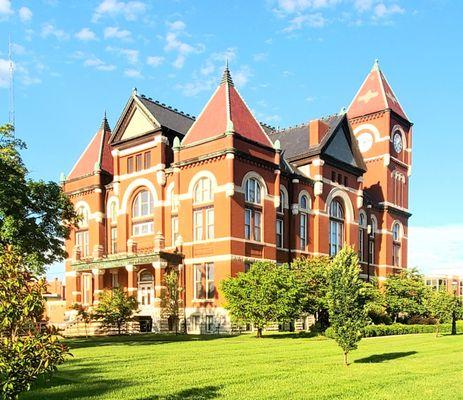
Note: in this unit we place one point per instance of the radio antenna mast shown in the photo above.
(11, 117)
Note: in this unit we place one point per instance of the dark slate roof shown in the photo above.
(168, 117)
(295, 140)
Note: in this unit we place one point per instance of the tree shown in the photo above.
(346, 300)
(35, 216)
(171, 298)
(115, 308)
(442, 306)
(83, 315)
(312, 276)
(405, 293)
(28, 348)
(266, 293)
(457, 311)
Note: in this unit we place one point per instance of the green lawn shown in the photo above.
(157, 367)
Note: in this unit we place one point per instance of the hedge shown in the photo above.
(400, 329)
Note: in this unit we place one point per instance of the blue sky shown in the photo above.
(292, 60)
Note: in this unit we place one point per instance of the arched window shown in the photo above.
(203, 191)
(145, 288)
(396, 236)
(303, 221)
(113, 212)
(253, 211)
(82, 212)
(372, 249)
(362, 230)
(336, 227)
(281, 208)
(253, 191)
(142, 209)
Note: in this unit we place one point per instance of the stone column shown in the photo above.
(132, 281)
(98, 284)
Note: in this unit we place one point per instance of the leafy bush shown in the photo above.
(399, 329)
(420, 320)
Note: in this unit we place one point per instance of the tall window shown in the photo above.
(203, 191)
(303, 218)
(174, 226)
(253, 191)
(253, 210)
(113, 240)
(203, 218)
(82, 212)
(279, 233)
(130, 166)
(145, 288)
(336, 227)
(372, 249)
(147, 160)
(204, 286)
(396, 235)
(142, 209)
(281, 208)
(82, 242)
(361, 244)
(113, 213)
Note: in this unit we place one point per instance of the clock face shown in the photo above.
(365, 141)
(398, 145)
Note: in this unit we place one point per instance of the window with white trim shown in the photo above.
(372, 248)
(253, 210)
(142, 210)
(303, 221)
(203, 224)
(83, 242)
(396, 245)
(204, 286)
(174, 227)
(82, 213)
(113, 212)
(203, 191)
(336, 227)
(114, 279)
(281, 208)
(279, 233)
(113, 240)
(253, 191)
(361, 240)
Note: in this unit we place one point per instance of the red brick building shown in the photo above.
(211, 195)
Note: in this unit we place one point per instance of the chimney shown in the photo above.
(317, 129)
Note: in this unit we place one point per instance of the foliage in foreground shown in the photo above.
(444, 307)
(27, 349)
(265, 294)
(35, 216)
(346, 304)
(115, 308)
(171, 298)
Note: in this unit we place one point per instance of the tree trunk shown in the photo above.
(454, 323)
(259, 332)
(346, 361)
(118, 328)
(437, 328)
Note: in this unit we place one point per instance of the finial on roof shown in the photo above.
(343, 111)
(134, 91)
(277, 145)
(226, 77)
(376, 65)
(104, 123)
(62, 177)
(176, 144)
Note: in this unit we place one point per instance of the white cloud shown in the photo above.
(25, 14)
(132, 73)
(50, 30)
(17, 48)
(130, 10)
(130, 54)
(193, 88)
(154, 61)
(85, 34)
(316, 20)
(4, 73)
(436, 249)
(241, 76)
(98, 64)
(5, 7)
(259, 56)
(183, 49)
(176, 25)
(115, 32)
(383, 11)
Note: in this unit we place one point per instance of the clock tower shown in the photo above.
(384, 134)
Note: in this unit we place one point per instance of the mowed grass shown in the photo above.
(281, 366)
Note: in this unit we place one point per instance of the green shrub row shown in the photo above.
(400, 329)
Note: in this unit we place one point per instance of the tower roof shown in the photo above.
(374, 95)
(97, 156)
(226, 112)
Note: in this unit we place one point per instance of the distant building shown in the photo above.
(447, 283)
(208, 196)
(55, 306)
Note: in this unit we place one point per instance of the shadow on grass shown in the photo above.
(73, 384)
(137, 340)
(286, 335)
(379, 358)
(200, 393)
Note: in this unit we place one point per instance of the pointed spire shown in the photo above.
(104, 124)
(375, 65)
(226, 77)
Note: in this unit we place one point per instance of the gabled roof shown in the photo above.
(97, 156)
(156, 115)
(226, 112)
(338, 143)
(374, 95)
